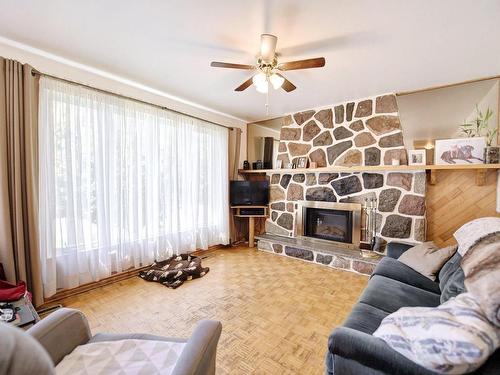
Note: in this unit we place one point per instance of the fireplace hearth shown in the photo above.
(326, 253)
(329, 221)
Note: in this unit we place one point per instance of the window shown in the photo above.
(123, 184)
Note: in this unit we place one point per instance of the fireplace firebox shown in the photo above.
(329, 221)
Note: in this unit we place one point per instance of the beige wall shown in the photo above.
(60, 67)
(255, 141)
(438, 113)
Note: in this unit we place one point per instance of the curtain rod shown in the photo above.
(36, 72)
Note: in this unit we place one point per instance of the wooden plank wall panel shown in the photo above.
(454, 200)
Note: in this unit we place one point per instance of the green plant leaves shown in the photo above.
(479, 127)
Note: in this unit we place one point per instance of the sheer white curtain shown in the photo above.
(123, 184)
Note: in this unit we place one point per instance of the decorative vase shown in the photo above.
(491, 154)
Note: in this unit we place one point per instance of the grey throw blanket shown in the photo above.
(481, 266)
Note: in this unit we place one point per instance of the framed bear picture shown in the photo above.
(460, 151)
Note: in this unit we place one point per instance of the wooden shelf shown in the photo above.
(249, 206)
(238, 210)
(381, 168)
(481, 170)
(251, 220)
(251, 215)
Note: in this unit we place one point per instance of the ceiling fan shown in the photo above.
(268, 69)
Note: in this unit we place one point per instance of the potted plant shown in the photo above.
(480, 127)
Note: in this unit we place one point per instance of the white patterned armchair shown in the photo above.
(66, 332)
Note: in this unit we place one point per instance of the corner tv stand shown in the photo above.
(251, 212)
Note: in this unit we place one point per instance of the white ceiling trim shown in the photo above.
(111, 76)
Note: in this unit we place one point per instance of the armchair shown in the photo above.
(62, 331)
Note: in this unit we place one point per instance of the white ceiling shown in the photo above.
(370, 47)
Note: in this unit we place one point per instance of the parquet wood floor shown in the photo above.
(276, 312)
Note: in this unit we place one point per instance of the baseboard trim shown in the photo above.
(110, 280)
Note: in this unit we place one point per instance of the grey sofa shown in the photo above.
(62, 331)
(352, 350)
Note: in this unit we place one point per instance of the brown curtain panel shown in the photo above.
(19, 251)
(234, 163)
(234, 152)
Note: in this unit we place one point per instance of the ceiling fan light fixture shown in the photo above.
(268, 70)
(276, 80)
(263, 87)
(259, 79)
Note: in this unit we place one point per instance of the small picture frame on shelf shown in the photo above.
(460, 151)
(279, 164)
(417, 157)
(302, 163)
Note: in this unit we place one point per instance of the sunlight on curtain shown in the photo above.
(123, 184)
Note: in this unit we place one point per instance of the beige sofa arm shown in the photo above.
(61, 332)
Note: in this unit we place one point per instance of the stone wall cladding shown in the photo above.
(334, 261)
(366, 132)
(359, 133)
(401, 199)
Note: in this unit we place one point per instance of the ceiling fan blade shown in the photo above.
(268, 47)
(287, 85)
(244, 85)
(218, 64)
(303, 64)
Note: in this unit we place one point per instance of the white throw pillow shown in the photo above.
(469, 234)
(453, 338)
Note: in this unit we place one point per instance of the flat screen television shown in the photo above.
(249, 193)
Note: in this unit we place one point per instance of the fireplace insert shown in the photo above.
(330, 221)
(333, 225)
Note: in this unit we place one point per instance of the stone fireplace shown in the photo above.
(330, 222)
(400, 197)
(354, 134)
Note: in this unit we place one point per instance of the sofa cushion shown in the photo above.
(365, 318)
(390, 295)
(347, 366)
(427, 259)
(394, 269)
(395, 249)
(451, 278)
(102, 336)
(122, 357)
